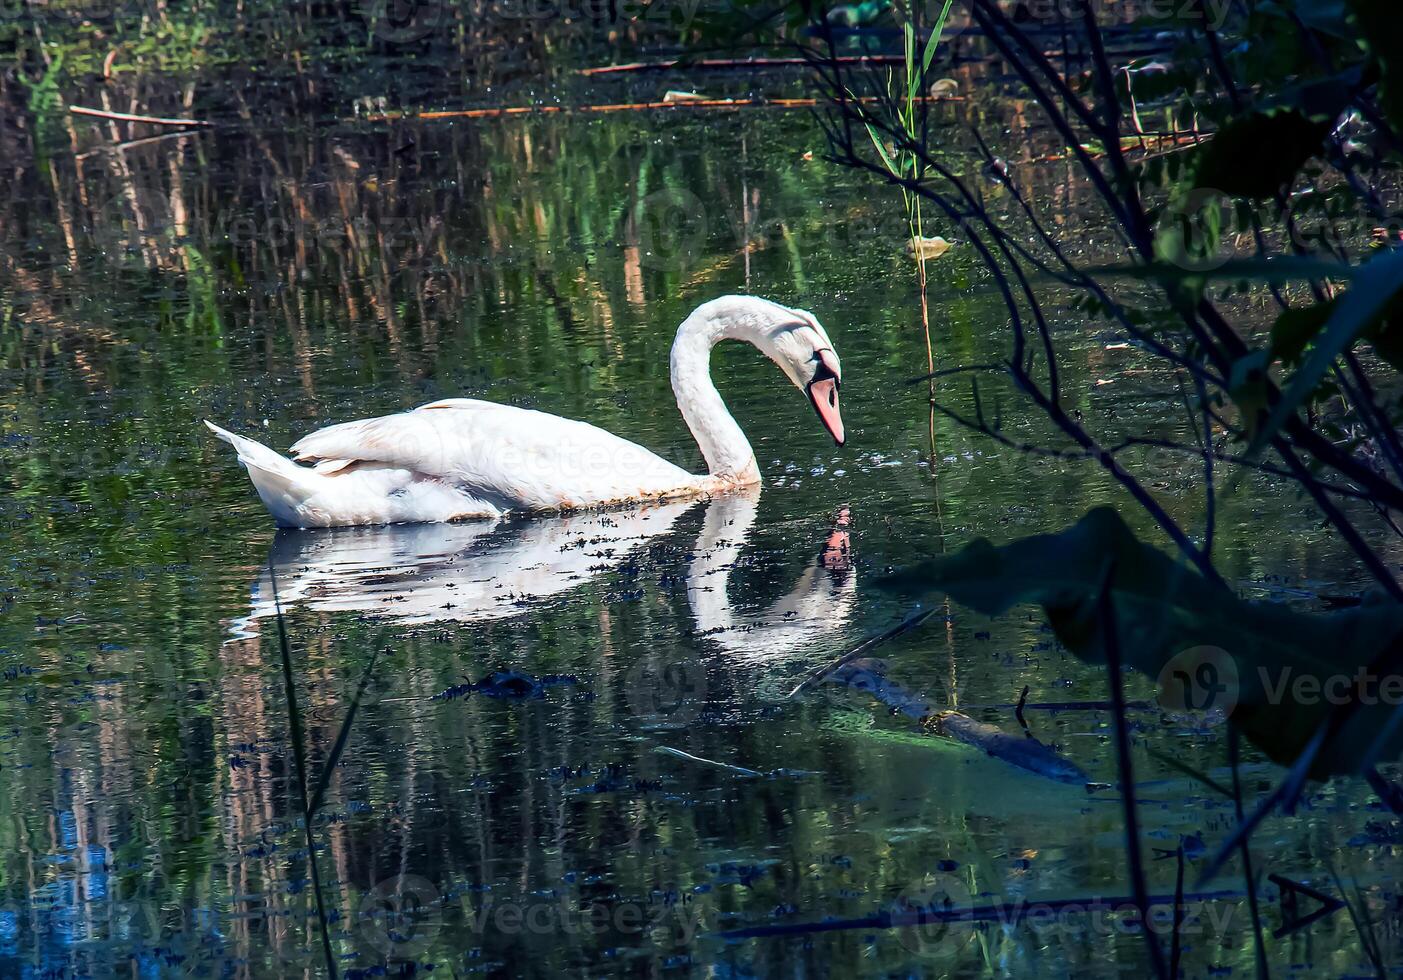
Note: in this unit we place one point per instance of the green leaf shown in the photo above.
(882, 151)
(1163, 608)
(1322, 99)
(933, 41)
(1362, 307)
(1258, 154)
(1388, 337)
(913, 80)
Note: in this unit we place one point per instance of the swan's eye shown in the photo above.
(824, 371)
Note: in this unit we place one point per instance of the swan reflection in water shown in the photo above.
(489, 570)
(820, 603)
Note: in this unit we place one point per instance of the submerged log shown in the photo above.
(1023, 751)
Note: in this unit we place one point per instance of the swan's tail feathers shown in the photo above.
(283, 485)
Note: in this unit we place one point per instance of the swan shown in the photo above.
(463, 458)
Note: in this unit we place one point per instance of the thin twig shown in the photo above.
(866, 646)
(342, 737)
(79, 110)
(1111, 645)
(740, 770)
(493, 112)
(294, 721)
(1248, 876)
(725, 63)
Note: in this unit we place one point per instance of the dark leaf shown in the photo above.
(1326, 16)
(1295, 329)
(1258, 154)
(1247, 384)
(1378, 24)
(1164, 608)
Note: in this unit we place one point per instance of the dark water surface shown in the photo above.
(283, 273)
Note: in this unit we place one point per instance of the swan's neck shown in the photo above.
(727, 451)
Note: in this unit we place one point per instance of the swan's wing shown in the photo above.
(526, 458)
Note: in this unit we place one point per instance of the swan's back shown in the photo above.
(519, 458)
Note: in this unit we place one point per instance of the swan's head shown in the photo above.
(797, 342)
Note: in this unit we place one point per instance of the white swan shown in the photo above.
(462, 458)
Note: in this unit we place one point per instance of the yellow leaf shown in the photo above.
(928, 248)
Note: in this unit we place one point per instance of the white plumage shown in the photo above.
(462, 458)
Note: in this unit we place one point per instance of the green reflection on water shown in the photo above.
(275, 280)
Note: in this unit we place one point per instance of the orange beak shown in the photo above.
(823, 392)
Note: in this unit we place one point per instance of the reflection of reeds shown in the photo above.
(299, 755)
(907, 105)
(312, 798)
